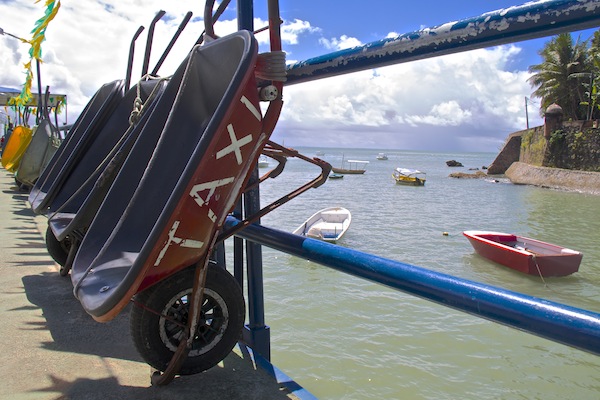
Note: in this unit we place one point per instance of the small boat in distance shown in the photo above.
(263, 162)
(355, 167)
(328, 224)
(336, 176)
(408, 177)
(526, 255)
(382, 156)
(320, 153)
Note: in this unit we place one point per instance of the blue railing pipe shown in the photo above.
(558, 322)
(528, 21)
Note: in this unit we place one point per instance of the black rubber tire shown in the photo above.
(156, 338)
(58, 250)
(22, 186)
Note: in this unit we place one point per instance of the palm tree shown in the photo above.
(561, 59)
(590, 81)
(592, 88)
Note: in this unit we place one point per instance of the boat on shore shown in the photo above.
(523, 254)
(408, 177)
(328, 224)
(355, 167)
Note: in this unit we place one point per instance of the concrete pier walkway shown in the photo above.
(51, 349)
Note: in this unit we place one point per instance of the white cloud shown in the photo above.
(87, 44)
(465, 100)
(291, 30)
(446, 100)
(344, 42)
(443, 114)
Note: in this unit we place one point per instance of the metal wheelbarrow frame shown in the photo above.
(151, 227)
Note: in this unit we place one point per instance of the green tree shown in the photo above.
(590, 81)
(561, 58)
(592, 78)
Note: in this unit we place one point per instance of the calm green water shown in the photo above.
(344, 338)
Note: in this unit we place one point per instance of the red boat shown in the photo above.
(525, 255)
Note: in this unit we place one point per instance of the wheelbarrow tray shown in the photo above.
(93, 118)
(147, 229)
(78, 212)
(16, 147)
(81, 178)
(44, 143)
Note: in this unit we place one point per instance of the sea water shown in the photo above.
(342, 337)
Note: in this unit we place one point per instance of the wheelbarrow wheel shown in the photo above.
(220, 325)
(22, 186)
(58, 250)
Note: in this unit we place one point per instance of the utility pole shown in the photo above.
(526, 113)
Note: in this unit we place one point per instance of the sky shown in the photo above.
(468, 101)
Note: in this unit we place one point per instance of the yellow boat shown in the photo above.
(16, 147)
(405, 176)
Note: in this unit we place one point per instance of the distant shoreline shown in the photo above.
(554, 178)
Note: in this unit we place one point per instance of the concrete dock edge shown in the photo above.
(554, 178)
(52, 349)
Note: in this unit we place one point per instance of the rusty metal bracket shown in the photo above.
(280, 154)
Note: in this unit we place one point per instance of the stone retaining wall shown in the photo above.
(509, 154)
(556, 178)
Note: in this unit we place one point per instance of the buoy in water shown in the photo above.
(445, 233)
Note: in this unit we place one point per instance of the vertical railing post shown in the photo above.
(256, 333)
(238, 249)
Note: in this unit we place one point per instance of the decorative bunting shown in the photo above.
(35, 52)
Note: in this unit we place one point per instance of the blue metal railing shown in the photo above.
(564, 324)
(529, 21)
(561, 323)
